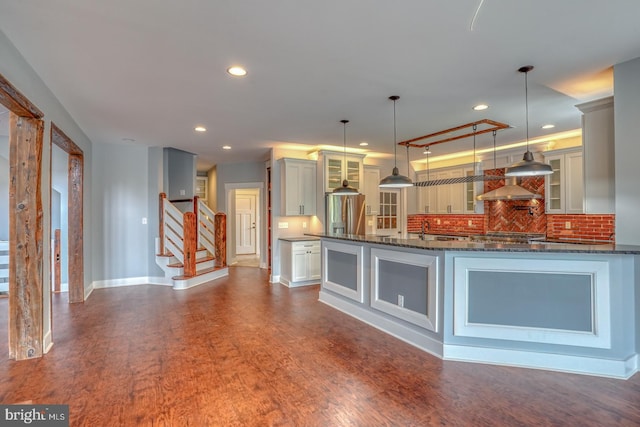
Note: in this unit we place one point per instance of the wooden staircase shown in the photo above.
(191, 249)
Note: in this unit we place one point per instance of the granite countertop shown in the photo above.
(299, 239)
(456, 245)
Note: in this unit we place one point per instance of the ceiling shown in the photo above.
(151, 70)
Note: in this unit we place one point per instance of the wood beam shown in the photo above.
(16, 102)
(25, 235)
(75, 229)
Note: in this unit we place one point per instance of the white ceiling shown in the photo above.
(151, 70)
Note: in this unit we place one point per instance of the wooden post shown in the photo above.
(220, 224)
(161, 222)
(189, 243)
(25, 234)
(196, 212)
(74, 230)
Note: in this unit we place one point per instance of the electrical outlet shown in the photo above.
(144, 220)
(183, 192)
(401, 300)
(438, 221)
(370, 223)
(470, 223)
(304, 225)
(283, 225)
(567, 225)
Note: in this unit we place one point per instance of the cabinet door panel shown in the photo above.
(315, 270)
(574, 186)
(299, 266)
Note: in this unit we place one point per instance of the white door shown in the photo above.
(245, 224)
(389, 223)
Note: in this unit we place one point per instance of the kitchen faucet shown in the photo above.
(422, 233)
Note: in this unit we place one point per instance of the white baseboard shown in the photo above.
(403, 333)
(47, 342)
(548, 361)
(88, 290)
(275, 279)
(131, 281)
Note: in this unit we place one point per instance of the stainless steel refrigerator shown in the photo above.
(345, 214)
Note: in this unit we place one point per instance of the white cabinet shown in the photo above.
(370, 190)
(298, 187)
(334, 167)
(300, 262)
(564, 189)
(446, 198)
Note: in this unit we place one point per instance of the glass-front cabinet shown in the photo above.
(564, 188)
(335, 168)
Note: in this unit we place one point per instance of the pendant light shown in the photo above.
(345, 190)
(528, 166)
(395, 180)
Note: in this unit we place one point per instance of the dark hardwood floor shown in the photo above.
(243, 352)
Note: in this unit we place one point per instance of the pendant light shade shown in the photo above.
(528, 166)
(395, 180)
(346, 189)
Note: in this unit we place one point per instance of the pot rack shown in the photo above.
(493, 126)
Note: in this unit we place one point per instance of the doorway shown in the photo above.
(71, 211)
(244, 220)
(246, 214)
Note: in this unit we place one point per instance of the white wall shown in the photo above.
(627, 151)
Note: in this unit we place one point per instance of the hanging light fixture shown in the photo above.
(395, 180)
(345, 190)
(528, 166)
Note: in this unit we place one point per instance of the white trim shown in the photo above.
(47, 341)
(430, 319)
(357, 250)
(131, 281)
(536, 360)
(88, 290)
(231, 210)
(599, 337)
(275, 278)
(410, 336)
(201, 279)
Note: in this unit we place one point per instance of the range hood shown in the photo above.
(510, 191)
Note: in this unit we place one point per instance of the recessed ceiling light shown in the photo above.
(549, 126)
(364, 144)
(480, 107)
(200, 129)
(226, 147)
(237, 71)
(128, 140)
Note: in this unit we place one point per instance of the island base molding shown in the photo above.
(611, 368)
(391, 327)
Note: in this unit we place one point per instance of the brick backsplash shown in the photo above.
(581, 226)
(521, 216)
(448, 224)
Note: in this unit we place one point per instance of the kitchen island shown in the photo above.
(563, 307)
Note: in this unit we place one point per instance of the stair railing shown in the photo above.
(182, 234)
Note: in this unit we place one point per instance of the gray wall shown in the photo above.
(155, 187)
(4, 188)
(627, 150)
(180, 174)
(236, 173)
(121, 241)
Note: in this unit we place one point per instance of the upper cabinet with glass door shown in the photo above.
(334, 169)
